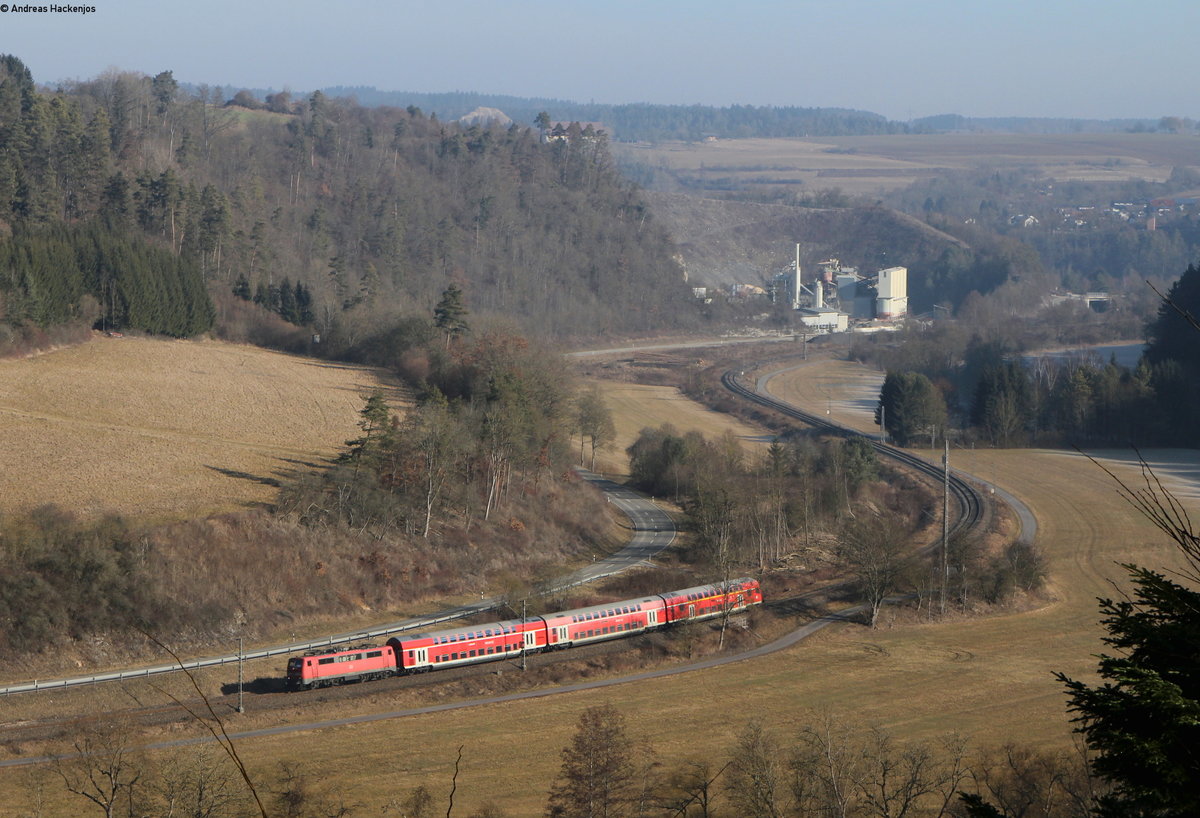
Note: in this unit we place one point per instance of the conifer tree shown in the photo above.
(450, 315)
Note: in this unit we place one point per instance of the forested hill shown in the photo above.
(362, 212)
(643, 121)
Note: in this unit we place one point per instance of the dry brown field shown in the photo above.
(636, 406)
(872, 165)
(167, 429)
(988, 678)
(844, 391)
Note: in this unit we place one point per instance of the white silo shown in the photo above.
(892, 293)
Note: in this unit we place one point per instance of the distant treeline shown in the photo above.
(938, 376)
(944, 123)
(635, 122)
(642, 121)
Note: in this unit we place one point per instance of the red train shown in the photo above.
(471, 644)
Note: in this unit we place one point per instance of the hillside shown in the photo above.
(168, 429)
(725, 242)
(332, 215)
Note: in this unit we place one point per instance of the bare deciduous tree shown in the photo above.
(824, 767)
(756, 775)
(875, 553)
(597, 776)
(200, 783)
(105, 767)
(690, 789)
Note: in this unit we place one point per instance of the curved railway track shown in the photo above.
(968, 500)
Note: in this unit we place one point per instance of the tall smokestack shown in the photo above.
(796, 281)
(818, 285)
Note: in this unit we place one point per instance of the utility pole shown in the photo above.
(241, 708)
(522, 634)
(945, 521)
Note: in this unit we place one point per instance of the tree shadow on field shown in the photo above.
(320, 463)
(241, 475)
(257, 687)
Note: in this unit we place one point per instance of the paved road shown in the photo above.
(653, 531)
(794, 338)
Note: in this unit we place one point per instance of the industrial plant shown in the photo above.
(836, 295)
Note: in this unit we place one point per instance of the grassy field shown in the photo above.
(871, 165)
(167, 429)
(635, 407)
(845, 391)
(988, 678)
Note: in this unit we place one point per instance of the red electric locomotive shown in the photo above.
(349, 665)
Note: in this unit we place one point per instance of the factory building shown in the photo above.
(891, 300)
(839, 294)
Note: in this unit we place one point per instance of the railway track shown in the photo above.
(968, 500)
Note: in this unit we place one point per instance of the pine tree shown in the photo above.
(450, 315)
(910, 406)
(1172, 336)
(241, 287)
(1143, 721)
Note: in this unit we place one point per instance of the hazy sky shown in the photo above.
(1103, 58)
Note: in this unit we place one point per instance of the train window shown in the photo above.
(328, 660)
(410, 655)
(453, 655)
(472, 653)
